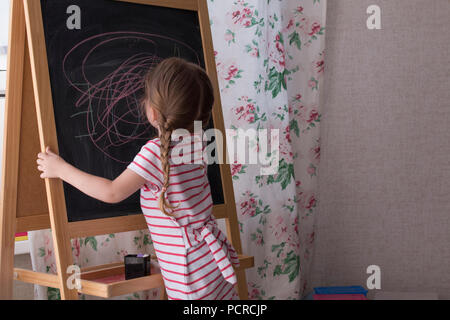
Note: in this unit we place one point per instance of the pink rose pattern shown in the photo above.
(277, 51)
(270, 62)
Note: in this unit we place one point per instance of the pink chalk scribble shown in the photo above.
(108, 70)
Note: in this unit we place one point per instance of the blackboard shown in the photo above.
(96, 80)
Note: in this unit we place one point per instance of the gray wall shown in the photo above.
(384, 180)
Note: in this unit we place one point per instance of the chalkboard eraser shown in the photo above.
(136, 266)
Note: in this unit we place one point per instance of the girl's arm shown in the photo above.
(53, 166)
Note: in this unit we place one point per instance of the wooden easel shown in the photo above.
(28, 203)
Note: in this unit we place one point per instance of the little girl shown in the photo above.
(195, 257)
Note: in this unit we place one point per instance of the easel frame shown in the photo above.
(28, 84)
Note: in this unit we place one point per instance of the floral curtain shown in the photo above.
(270, 62)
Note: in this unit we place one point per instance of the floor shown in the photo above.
(22, 290)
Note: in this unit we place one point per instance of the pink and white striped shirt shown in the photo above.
(195, 257)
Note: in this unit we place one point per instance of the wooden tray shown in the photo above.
(108, 280)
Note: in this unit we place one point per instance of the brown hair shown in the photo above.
(180, 92)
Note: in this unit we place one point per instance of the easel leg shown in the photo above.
(47, 136)
(233, 234)
(10, 165)
(163, 293)
(242, 284)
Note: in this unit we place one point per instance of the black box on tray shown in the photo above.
(136, 265)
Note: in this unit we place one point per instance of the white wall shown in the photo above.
(4, 17)
(4, 26)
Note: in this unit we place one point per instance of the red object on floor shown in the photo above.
(339, 297)
(21, 234)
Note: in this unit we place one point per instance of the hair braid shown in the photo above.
(165, 138)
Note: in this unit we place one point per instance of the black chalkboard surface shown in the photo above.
(96, 79)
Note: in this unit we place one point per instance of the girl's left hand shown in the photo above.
(50, 164)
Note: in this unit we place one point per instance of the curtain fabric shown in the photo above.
(270, 63)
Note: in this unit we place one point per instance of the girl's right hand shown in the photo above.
(50, 164)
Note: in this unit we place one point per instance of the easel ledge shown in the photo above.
(27, 203)
(90, 286)
(97, 227)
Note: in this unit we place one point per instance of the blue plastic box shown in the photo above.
(341, 290)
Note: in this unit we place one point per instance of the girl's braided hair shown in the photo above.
(180, 92)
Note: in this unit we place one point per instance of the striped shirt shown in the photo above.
(195, 257)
